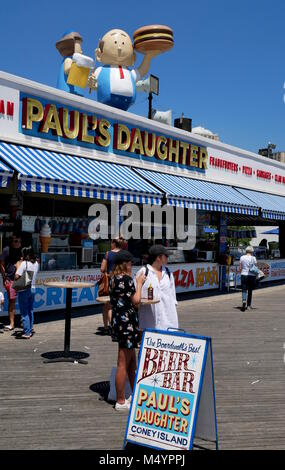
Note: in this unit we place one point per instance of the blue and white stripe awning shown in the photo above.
(43, 171)
(272, 206)
(5, 175)
(197, 194)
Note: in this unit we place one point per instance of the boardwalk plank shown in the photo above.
(52, 406)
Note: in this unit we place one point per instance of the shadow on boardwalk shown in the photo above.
(64, 405)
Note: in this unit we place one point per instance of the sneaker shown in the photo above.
(106, 331)
(122, 407)
(243, 308)
(250, 307)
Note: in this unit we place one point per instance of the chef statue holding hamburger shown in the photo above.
(114, 81)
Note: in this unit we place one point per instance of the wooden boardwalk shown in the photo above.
(56, 406)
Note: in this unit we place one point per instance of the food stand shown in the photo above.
(60, 153)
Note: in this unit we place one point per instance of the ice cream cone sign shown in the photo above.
(45, 238)
(114, 80)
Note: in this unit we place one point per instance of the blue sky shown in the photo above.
(226, 70)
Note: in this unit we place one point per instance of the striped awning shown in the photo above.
(272, 206)
(43, 171)
(197, 194)
(5, 175)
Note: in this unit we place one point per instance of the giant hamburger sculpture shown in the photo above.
(154, 37)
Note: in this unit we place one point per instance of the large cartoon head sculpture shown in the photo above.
(115, 83)
(116, 48)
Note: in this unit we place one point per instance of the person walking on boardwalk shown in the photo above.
(249, 271)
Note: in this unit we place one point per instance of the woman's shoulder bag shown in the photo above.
(25, 281)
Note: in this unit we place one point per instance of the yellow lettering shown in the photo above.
(83, 133)
(157, 419)
(33, 111)
(173, 150)
(185, 406)
(176, 424)
(161, 148)
(142, 396)
(104, 139)
(51, 120)
(194, 156)
(203, 158)
(144, 416)
(122, 137)
(138, 415)
(69, 123)
(149, 151)
(163, 422)
(184, 425)
(162, 402)
(152, 401)
(137, 144)
(171, 407)
(184, 147)
(199, 277)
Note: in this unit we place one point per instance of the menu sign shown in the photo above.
(168, 389)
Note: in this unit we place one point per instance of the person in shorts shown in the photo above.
(125, 298)
(107, 266)
(11, 255)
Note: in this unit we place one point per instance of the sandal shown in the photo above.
(8, 328)
(25, 337)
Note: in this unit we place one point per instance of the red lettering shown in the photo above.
(247, 170)
(190, 278)
(10, 108)
(2, 107)
(176, 277)
(280, 179)
(183, 359)
(188, 379)
(224, 164)
(148, 361)
(183, 280)
(266, 175)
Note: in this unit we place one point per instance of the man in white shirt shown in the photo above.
(162, 315)
(248, 279)
(115, 83)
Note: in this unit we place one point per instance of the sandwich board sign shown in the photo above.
(174, 397)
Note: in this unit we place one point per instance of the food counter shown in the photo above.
(273, 270)
(189, 277)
